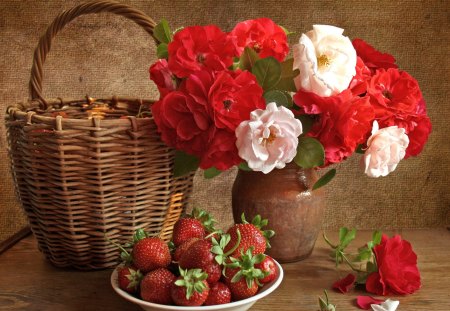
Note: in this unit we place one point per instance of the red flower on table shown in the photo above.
(197, 47)
(263, 35)
(397, 268)
(373, 58)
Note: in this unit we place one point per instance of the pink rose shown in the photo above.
(269, 139)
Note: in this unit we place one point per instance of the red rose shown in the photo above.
(222, 152)
(358, 85)
(344, 122)
(263, 35)
(372, 58)
(397, 100)
(397, 268)
(163, 77)
(394, 91)
(233, 96)
(197, 47)
(183, 123)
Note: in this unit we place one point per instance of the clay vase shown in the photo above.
(285, 198)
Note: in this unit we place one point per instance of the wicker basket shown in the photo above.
(83, 170)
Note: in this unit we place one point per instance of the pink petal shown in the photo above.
(364, 302)
(345, 284)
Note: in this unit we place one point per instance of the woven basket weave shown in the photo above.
(88, 168)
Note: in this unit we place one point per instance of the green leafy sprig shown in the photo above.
(363, 262)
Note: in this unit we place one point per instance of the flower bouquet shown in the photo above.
(235, 99)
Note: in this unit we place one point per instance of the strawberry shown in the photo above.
(242, 288)
(195, 225)
(214, 272)
(151, 253)
(156, 286)
(197, 255)
(186, 229)
(180, 250)
(129, 279)
(242, 277)
(190, 288)
(219, 294)
(251, 236)
(269, 268)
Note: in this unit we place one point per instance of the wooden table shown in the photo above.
(28, 282)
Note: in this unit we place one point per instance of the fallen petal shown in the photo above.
(365, 302)
(345, 284)
(388, 305)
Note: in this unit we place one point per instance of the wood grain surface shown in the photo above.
(28, 282)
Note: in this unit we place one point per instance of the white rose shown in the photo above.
(269, 139)
(326, 60)
(385, 149)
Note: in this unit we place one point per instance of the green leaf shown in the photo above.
(376, 237)
(325, 179)
(281, 98)
(288, 74)
(184, 163)
(342, 233)
(211, 172)
(244, 166)
(349, 236)
(267, 72)
(248, 59)
(162, 32)
(310, 153)
(161, 51)
(307, 122)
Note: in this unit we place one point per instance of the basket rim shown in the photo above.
(19, 111)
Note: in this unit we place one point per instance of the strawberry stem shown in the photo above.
(238, 242)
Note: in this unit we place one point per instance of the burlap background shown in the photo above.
(107, 55)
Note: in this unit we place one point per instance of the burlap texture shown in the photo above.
(106, 55)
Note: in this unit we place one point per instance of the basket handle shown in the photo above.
(62, 20)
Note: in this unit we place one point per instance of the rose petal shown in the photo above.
(388, 305)
(365, 302)
(345, 284)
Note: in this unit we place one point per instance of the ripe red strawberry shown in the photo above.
(242, 277)
(180, 250)
(219, 294)
(242, 288)
(156, 286)
(214, 272)
(251, 236)
(197, 255)
(190, 288)
(186, 229)
(151, 253)
(129, 279)
(269, 268)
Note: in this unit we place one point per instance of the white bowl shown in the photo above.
(241, 305)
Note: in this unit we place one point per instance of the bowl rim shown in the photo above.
(268, 288)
